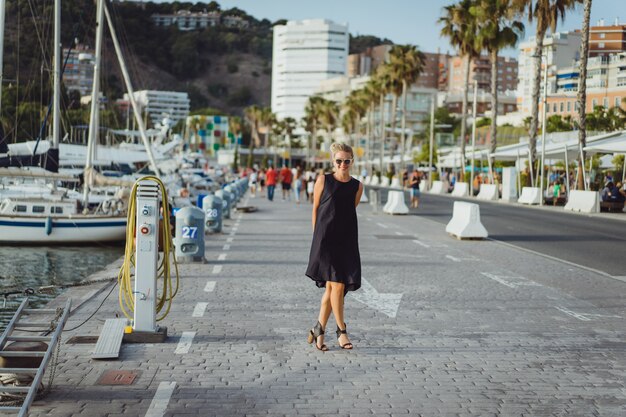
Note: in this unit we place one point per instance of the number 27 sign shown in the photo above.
(189, 232)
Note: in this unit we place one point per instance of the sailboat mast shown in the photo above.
(56, 115)
(95, 101)
(2, 7)
(131, 94)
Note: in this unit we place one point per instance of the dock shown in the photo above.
(441, 327)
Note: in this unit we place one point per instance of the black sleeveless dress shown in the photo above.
(335, 249)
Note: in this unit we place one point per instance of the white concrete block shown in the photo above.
(385, 182)
(367, 180)
(395, 183)
(438, 187)
(488, 192)
(530, 195)
(461, 189)
(583, 201)
(395, 203)
(364, 198)
(423, 185)
(465, 223)
(375, 180)
(509, 184)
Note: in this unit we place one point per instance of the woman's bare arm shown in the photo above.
(317, 195)
(358, 195)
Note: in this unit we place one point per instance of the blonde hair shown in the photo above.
(340, 147)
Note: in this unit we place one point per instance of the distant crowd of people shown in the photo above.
(262, 182)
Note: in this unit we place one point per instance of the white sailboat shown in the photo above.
(35, 220)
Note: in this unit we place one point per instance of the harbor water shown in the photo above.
(33, 267)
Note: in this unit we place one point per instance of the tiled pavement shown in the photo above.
(481, 329)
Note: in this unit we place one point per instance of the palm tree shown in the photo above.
(547, 14)
(497, 29)
(460, 27)
(370, 95)
(381, 83)
(253, 116)
(267, 120)
(354, 107)
(582, 94)
(329, 117)
(408, 63)
(311, 122)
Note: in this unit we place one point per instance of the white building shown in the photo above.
(78, 74)
(562, 50)
(305, 53)
(159, 104)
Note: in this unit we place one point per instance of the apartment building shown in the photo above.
(561, 50)
(305, 53)
(159, 104)
(78, 74)
(606, 85)
(480, 71)
(186, 20)
(604, 40)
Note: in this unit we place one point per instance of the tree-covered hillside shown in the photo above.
(226, 68)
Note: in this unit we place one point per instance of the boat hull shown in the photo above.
(47, 230)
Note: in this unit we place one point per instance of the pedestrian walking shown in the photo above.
(310, 184)
(298, 184)
(261, 181)
(252, 180)
(270, 182)
(414, 185)
(334, 260)
(286, 177)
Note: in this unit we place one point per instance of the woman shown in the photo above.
(415, 188)
(299, 178)
(334, 261)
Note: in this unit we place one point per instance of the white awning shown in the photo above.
(616, 144)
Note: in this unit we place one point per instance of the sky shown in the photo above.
(402, 21)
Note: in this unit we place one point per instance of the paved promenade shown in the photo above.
(441, 328)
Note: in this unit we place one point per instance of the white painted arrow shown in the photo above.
(387, 304)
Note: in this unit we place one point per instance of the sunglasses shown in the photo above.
(345, 161)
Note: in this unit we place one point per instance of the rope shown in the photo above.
(125, 276)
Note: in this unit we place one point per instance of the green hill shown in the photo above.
(227, 68)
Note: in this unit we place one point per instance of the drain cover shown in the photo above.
(117, 377)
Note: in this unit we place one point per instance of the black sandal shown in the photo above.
(316, 332)
(348, 345)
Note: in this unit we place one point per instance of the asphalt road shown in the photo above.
(593, 242)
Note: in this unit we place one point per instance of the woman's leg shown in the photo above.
(325, 308)
(336, 301)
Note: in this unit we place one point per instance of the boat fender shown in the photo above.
(48, 225)
(120, 205)
(106, 206)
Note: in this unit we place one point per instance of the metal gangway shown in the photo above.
(49, 326)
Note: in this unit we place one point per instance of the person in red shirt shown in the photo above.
(270, 182)
(286, 177)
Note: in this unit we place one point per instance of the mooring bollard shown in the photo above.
(212, 206)
(189, 237)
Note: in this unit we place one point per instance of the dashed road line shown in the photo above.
(229, 240)
(511, 281)
(210, 286)
(453, 259)
(199, 309)
(222, 257)
(422, 244)
(399, 233)
(217, 269)
(161, 399)
(226, 247)
(384, 226)
(184, 343)
(574, 314)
